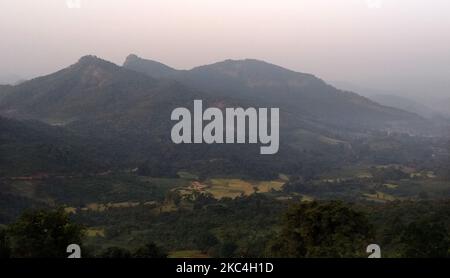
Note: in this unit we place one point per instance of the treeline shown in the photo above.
(255, 226)
(48, 233)
(248, 227)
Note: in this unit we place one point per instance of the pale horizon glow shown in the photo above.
(397, 45)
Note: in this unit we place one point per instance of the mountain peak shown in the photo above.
(250, 64)
(94, 60)
(88, 59)
(93, 64)
(258, 71)
(149, 67)
(132, 58)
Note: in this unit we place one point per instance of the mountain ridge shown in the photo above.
(130, 112)
(254, 79)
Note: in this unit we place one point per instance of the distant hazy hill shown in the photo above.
(404, 103)
(303, 95)
(444, 107)
(395, 99)
(10, 79)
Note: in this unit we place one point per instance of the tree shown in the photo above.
(150, 251)
(5, 250)
(205, 240)
(115, 252)
(43, 233)
(425, 238)
(322, 229)
(227, 249)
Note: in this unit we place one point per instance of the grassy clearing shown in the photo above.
(95, 232)
(380, 197)
(307, 198)
(102, 207)
(232, 188)
(70, 210)
(267, 186)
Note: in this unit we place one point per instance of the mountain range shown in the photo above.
(127, 108)
(305, 96)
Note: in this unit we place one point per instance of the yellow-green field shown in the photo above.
(102, 207)
(70, 210)
(231, 188)
(93, 232)
(307, 198)
(380, 197)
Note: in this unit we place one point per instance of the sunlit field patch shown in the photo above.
(231, 188)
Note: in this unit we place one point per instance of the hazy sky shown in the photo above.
(400, 45)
